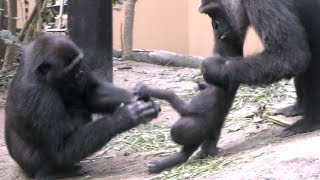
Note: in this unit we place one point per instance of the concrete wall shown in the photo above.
(200, 31)
(167, 25)
(159, 24)
(174, 26)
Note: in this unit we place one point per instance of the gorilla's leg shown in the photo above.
(310, 85)
(209, 146)
(298, 108)
(174, 160)
(175, 101)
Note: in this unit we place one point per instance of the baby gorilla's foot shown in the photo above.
(154, 166)
(203, 153)
(208, 148)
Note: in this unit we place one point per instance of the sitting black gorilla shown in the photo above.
(48, 125)
(200, 122)
(289, 30)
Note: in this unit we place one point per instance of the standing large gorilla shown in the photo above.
(289, 30)
(48, 126)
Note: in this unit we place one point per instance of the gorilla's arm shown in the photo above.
(67, 143)
(286, 51)
(104, 97)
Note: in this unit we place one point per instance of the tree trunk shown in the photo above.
(26, 26)
(12, 15)
(128, 29)
(31, 30)
(12, 26)
(1, 13)
(3, 19)
(40, 7)
(3, 46)
(60, 16)
(166, 58)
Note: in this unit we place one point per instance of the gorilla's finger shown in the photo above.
(156, 106)
(142, 106)
(150, 113)
(138, 87)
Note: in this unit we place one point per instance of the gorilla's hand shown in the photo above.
(142, 111)
(212, 70)
(136, 112)
(142, 93)
(141, 90)
(202, 85)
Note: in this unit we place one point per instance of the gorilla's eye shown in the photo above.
(216, 24)
(44, 68)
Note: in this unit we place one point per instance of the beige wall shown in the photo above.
(167, 25)
(200, 31)
(174, 26)
(159, 24)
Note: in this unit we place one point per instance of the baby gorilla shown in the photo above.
(200, 122)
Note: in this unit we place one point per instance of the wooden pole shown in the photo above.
(90, 26)
(60, 14)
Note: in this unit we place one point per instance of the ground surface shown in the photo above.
(249, 148)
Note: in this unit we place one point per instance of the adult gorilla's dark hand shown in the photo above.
(141, 94)
(137, 112)
(213, 70)
(142, 111)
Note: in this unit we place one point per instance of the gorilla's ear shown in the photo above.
(207, 5)
(73, 63)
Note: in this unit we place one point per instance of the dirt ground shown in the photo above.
(254, 150)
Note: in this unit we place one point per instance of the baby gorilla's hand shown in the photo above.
(212, 70)
(202, 85)
(141, 90)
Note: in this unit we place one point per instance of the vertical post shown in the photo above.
(60, 17)
(90, 27)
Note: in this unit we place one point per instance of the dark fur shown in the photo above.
(48, 127)
(290, 34)
(202, 119)
(200, 122)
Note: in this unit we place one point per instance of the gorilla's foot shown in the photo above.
(67, 172)
(169, 162)
(77, 170)
(302, 126)
(212, 151)
(290, 111)
(73, 171)
(154, 167)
